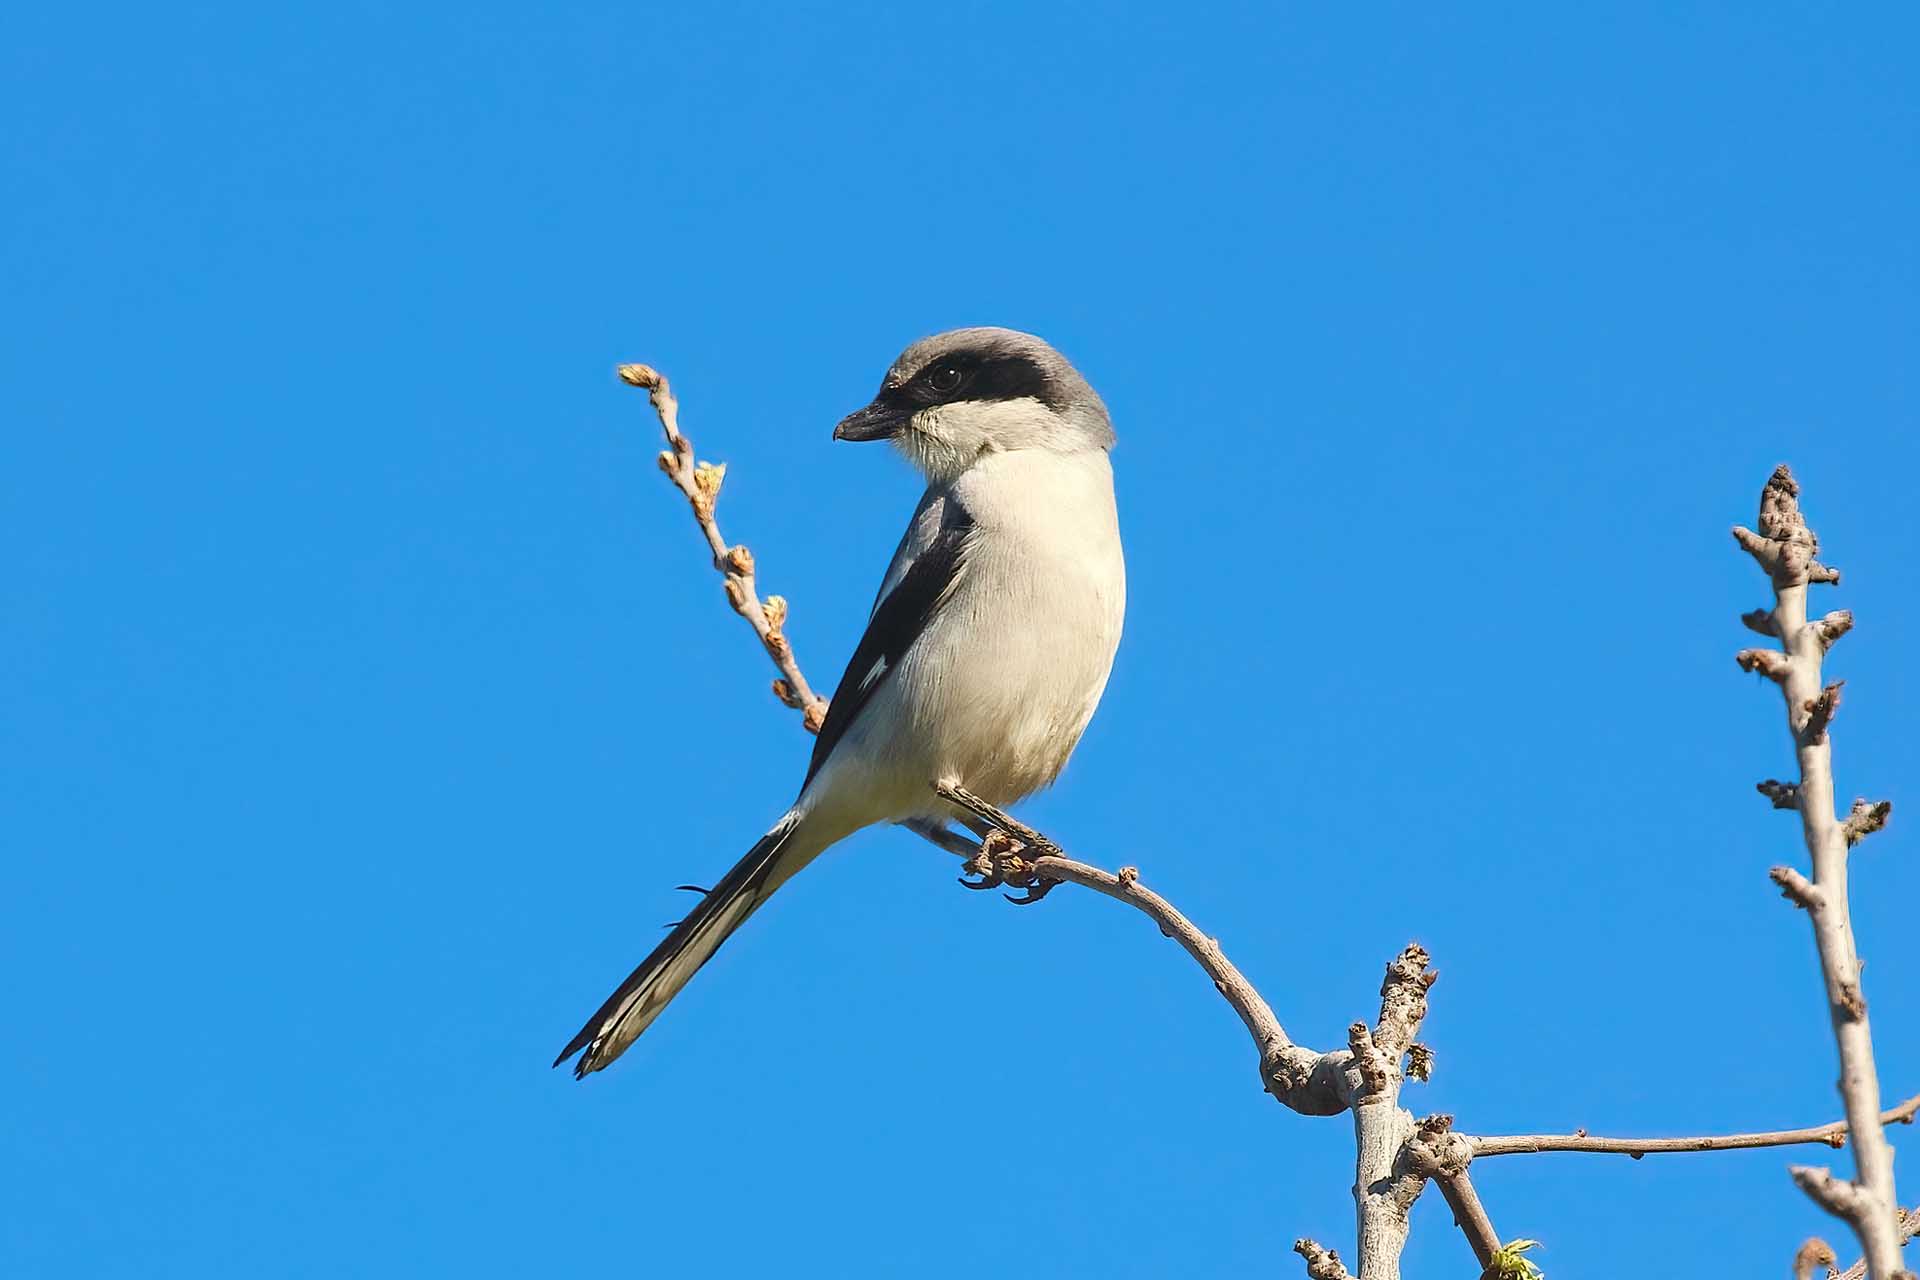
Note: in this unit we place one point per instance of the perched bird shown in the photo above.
(988, 647)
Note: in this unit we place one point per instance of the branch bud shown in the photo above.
(707, 478)
(1820, 712)
(1785, 795)
(736, 594)
(1866, 819)
(738, 560)
(1832, 627)
(1814, 1254)
(1796, 888)
(776, 611)
(1770, 663)
(1322, 1264)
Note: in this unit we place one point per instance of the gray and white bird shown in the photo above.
(988, 647)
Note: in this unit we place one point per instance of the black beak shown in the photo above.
(877, 421)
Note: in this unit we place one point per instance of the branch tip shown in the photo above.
(1761, 621)
(1770, 663)
(644, 376)
(1837, 1196)
(1785, 795)
(1796, 888)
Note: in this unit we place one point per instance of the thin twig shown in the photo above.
(700, 482)
(1832, 1135)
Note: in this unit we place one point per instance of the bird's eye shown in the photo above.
(945, 378)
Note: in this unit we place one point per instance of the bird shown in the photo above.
(986, 652)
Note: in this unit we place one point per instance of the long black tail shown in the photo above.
(632, 1008)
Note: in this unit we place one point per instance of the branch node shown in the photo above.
(1770, 663)
(1796, 888)
(707, 478)
(1368, 1060)
(1760, 620)
(1866, 818)
(1322, 1264)
(1838, 1197)
(1832, 627)
(1785, 795)
(1820, 712)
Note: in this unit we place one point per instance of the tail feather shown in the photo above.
(632, 1008)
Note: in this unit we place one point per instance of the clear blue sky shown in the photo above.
(365, 695)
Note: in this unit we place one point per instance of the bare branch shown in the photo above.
(1365, 1079)
(700, 482)
(1300, 1079)
(1796, 888)
(1909, 1225)
(1831, 1135)
(1837, 1196)
(1759, 620)
(1436, 1152)
(1403, 1000)
(1787, 549)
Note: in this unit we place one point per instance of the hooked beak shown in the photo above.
(877, 421)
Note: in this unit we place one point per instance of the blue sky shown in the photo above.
(365, 694)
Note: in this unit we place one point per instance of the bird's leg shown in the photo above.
(937, 833)
(1008, 847)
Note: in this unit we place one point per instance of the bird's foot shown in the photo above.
(1004, 860)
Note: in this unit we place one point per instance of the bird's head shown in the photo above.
(950, 398)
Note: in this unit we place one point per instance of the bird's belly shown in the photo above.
(1001, 713)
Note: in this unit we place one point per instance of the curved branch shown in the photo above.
(1832, 1135)
(1299, 1078)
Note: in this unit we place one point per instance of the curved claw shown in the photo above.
(985, 882)
(1038, 890)
(694, 888)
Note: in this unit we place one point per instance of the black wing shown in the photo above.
(898, 619)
